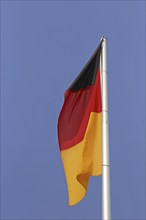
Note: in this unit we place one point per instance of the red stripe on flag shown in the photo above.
(74, 116)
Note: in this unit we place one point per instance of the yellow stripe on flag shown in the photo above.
(84, 159)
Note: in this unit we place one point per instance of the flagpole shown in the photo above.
(106, 206)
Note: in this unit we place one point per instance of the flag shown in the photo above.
(80, 129)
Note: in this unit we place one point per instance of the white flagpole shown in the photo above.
(106, 206)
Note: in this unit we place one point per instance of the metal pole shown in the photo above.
(106, 206)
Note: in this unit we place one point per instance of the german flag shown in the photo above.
(80, 129)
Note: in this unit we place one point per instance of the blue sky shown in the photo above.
(44, 45)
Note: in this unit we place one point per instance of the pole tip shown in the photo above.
(104, 38)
